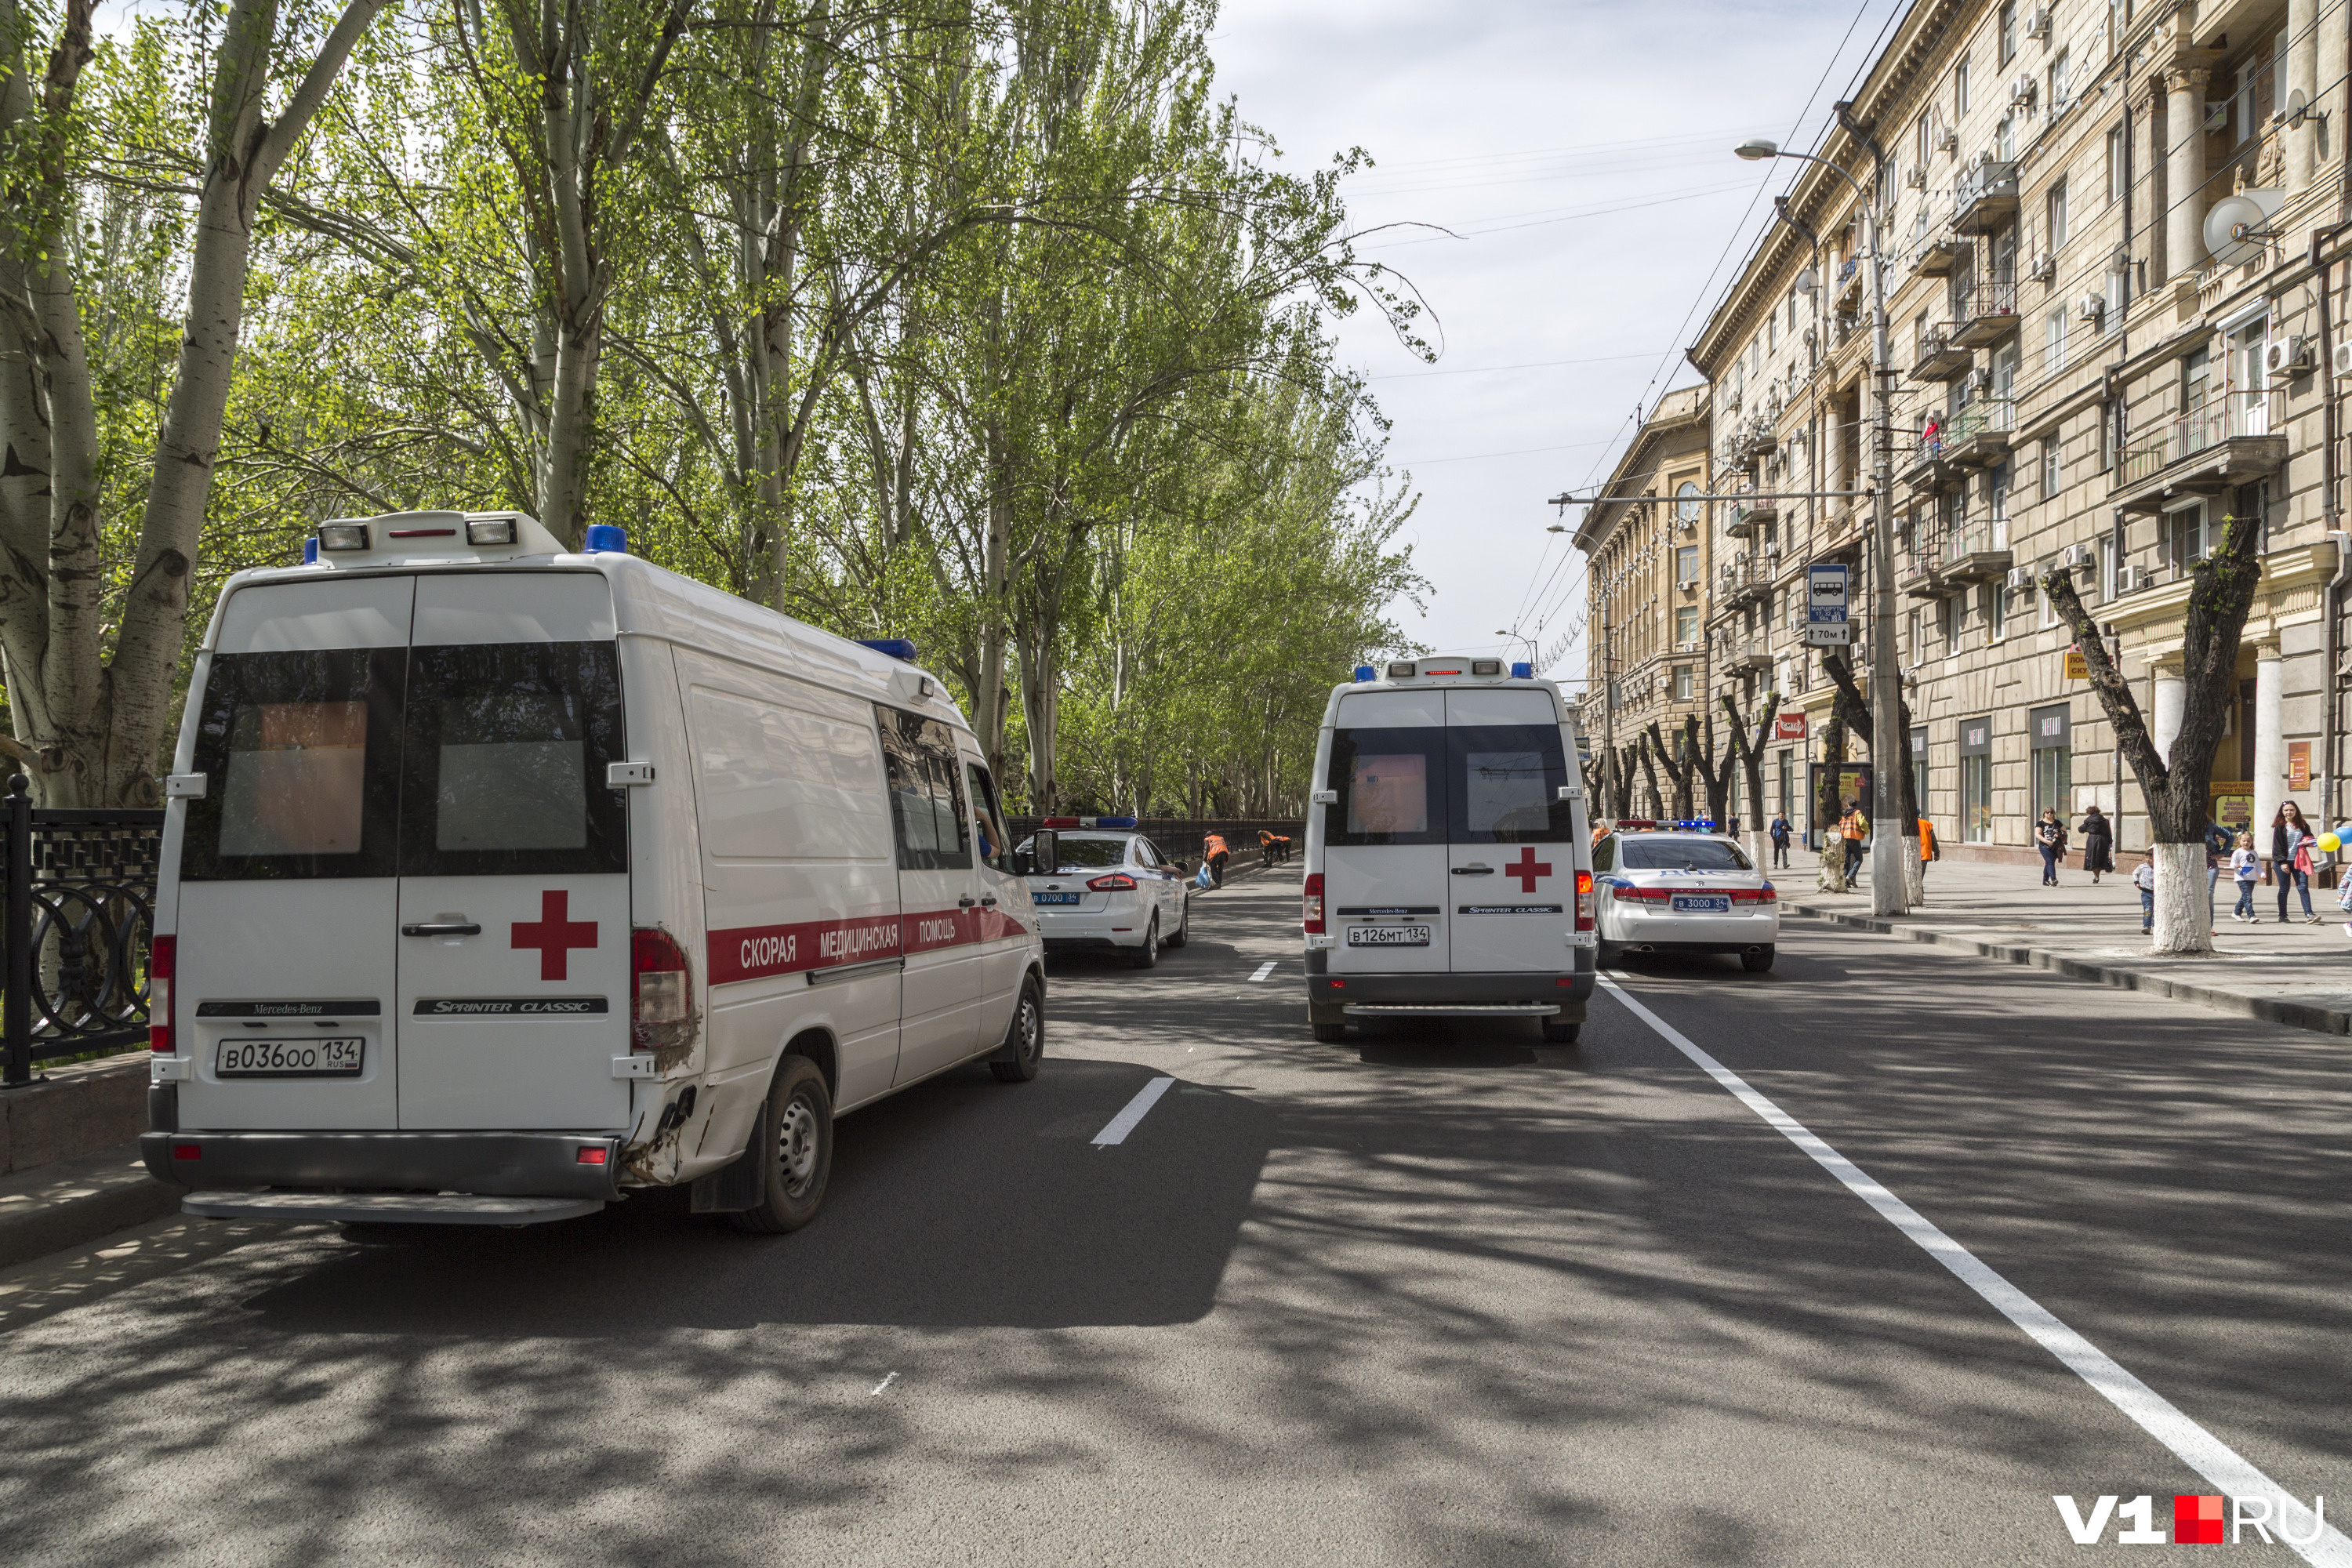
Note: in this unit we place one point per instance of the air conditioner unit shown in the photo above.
(2021, 577)
(2091, 306)
(2131, 579)
(2076, 555)
(2024, 90)
(2046, 267)
(2343, 360)
(1947, 139)
(1917, 179)
(2217, 114)
(2286, 357)
(2038, 25)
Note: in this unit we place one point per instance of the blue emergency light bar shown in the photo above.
(896, 647)
(606, 537)
(1366, 672)
(1114, 822)
(1523, 671)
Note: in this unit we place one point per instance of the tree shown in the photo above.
(2177, 784)
(1854, 708)
(89, 724)
(1748, 751)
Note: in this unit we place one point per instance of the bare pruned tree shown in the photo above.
(1854, 710)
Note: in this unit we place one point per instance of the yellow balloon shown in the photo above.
(2329, 842)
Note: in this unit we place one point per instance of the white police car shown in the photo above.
(1682, 887)
(1111, 891)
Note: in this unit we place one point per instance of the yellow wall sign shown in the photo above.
(2077, 670)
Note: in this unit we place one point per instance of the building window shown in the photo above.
(2118, 167)
(1920, 768)
(2053, 786)
(2184, 535)
(1685, 506)
(2053, 341)
(1959, 89)
(1976, 779)
(2053, 467)
(1947, 621)
(2049, 602)
(2058, 82)
(1686, 565)
(2106, 437)
(2004, 139)
(2118, 295)
(1992, 603)
(2107, 564)
(1687, 623)
(2054, 212)
(1682, 683)
(2007, 31)
(1923, 138)
(1911, 637)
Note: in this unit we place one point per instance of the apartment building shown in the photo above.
(2109, 337)
(1651, 552)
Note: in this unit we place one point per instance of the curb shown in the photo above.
(75, 1201)
(2269, 1010)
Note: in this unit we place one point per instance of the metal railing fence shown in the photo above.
(79, 900)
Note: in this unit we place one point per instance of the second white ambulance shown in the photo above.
(1448, 867)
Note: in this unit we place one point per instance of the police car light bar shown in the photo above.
(896, 647)
(1366, 672)
(1114, 822)
(1523, 672)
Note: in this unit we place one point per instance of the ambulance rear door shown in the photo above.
(1511, 855)
(1384, 850)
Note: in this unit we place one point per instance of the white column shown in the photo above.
(2302, 77)
(2328, 136)
(2270, 745)
(2184, 169)
(2168, 693)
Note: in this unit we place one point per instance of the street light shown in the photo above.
(1887, 891)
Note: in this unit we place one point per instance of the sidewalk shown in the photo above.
(2294, 973)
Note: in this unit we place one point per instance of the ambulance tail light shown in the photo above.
(1117, 882)
(162, 960)
(661, 1016)
(1584, 901)
(1313, 919)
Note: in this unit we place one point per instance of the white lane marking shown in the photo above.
(1264, 970)
(884, 1384)
(1122, 1124)
(2199, 1450)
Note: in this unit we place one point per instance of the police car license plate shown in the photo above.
(1054, 897)
(289, 1059)
(1388, 936)
(1717, 904)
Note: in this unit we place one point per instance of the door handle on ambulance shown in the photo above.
(442, 928)
(966, 901)
(1474, 870)
(989, 902)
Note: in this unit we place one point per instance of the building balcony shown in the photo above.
(1747, 519)
(1979, 434)
(2208, 453)
(1742, 653)
(1984, 315)
(1738, 582)
(1934, 255)
(1938, 358)
(1976, 554)
(1916, 577)
(1985, 199)
(1849, 281)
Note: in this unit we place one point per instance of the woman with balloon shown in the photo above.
(2292, 844)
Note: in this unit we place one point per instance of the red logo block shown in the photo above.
(2196, 1521)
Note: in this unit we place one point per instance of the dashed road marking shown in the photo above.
(1265, 969)
(1119, 1126)
(884, 1384)
(2220, 1464)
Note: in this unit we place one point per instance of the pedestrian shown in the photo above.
(1931, 435)
(2220, 843)
(2292, 842)
(1853, 827)
(2144, 878)
(2099, 843)
(1779, 833)
(1214, 855)
(2049, 838)
(1929, 849)
(2247, 868)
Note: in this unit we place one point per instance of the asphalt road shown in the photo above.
(1435, 1295)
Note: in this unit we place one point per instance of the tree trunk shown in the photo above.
(2184, 904)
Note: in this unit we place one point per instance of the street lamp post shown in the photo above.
(1887, 892)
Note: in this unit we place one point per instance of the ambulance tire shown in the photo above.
(1329, 1023)
(1556, 1034)
(1025, 1041)
(800, 1130)
(1148, 955)
(1183, 927)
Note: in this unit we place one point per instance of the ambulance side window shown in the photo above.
(987, 819)
(926, 794)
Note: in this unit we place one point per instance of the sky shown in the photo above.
(1581, 155)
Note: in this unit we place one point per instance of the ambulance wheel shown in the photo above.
(1183, 927)
(1025, 1042)
(800, 1153)
(1557, 1034)
(1148, 955)
(1605, 955)
(1329, 1023)
(1757, 963)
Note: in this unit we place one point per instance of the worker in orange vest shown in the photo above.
(1215, 853)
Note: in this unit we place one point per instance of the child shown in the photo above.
(2144, 878)
(2247, 867)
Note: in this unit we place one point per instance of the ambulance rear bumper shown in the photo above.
(1563, 986)
(497, 1164)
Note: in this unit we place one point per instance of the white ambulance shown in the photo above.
(1449, 870)
(498, 880)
